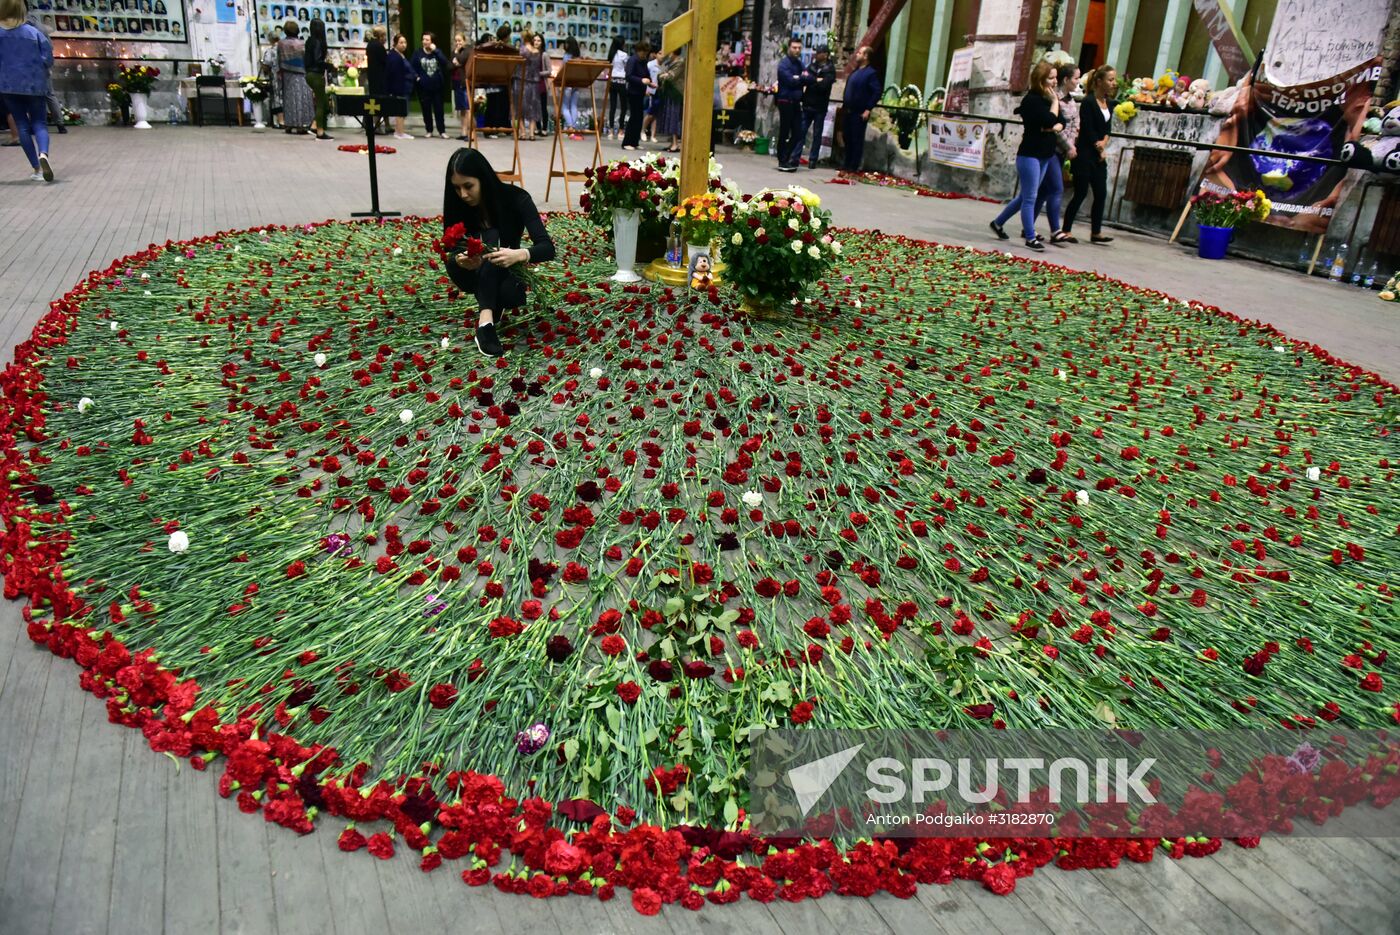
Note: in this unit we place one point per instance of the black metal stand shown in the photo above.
(368, 110)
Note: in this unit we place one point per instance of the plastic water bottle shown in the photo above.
(675, 244)
(1339, 264)
(1357, 273)
(1304, 258)
(1371, 274)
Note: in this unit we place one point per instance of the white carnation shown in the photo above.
(406, 416)
(179, 542)
(1314, 473)
(753, 499)
(145, 275)
(84, 404)
(320, 359)
(1061, 374)
(398, 251)
(1279, 349)
(596, 373)
(1082, 497)
(114, 326)
(444, 344)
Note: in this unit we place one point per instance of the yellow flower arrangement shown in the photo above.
(1125, 111)
(809, 198)
(702, 216)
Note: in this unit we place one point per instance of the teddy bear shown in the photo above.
(1197, 95)
(1377, 151)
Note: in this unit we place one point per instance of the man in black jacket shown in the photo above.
(816, 98)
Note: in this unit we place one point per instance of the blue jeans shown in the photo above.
(31, 113)
(810, 118)
(571, 107)
(1033, 173)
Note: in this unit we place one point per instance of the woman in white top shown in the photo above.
(617, 91)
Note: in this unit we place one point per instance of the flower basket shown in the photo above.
(780, 243)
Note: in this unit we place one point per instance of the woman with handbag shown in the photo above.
(1040, 122)
(317, 65)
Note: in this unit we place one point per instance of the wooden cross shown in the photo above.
(698, 28)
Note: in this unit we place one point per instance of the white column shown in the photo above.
(894, 62)
(1120, 37)
(1215, 69)
(1076, 35)
(937, 71)
(1173, 35)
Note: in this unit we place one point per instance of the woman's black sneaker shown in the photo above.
(999, 231)
(1036, 244)
(487, 342)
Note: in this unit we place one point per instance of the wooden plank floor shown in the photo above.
(99, 835)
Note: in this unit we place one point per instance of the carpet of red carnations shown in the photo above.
(516, 618)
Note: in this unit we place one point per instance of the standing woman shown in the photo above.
(1040, 121)
(317, 64)
(377, 67)
(298, 106)
(638, 80)
(26, 58)
(1090, 163)
(269, 71)
(571, 51)
(498, 215)
(670, 92)
(617, 87)
(529, 88)
(461, 53)
(433, 70)
(400, 81)
(542, 85)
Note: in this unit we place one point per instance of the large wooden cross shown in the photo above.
(698, 28)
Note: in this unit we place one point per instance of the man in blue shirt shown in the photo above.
(862, 93)
(792, 80)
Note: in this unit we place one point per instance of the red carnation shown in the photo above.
(629, 692)
(1372, 682)
(381, 845)
(802, 712)
(1000, 879)
(646, 901)
(442, 695)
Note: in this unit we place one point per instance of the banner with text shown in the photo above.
(956, 142)
(1313, 119)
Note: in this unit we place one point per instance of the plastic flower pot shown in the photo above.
(1212, 241)
(760, 146)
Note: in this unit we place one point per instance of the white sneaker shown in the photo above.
(403, 136)
(45, 168)
(442, 136)
(37, 177)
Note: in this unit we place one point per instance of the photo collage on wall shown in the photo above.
(592, 24)
(137, 20)
(813, 27)
(347, 25)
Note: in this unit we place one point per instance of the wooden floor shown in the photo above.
(98, 834)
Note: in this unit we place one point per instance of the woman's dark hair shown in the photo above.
(485, 38)
(318, 29)
(642, 48)
(503, 33)
(617, 46)
(290, 29)
(494, 195)
(571, 47)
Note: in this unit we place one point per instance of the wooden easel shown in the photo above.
(497, 70)
(575, 73)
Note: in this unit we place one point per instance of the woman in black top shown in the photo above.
(1090, 164)
(1040, 120)
(316, 67)
(376, 62)
(638, 80)
(497, 215)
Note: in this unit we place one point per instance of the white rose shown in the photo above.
(793, 223)
(179, 542)
(406, 416)
(596, 373)
(816, 224)
(797, 246)
(753, 499)
(84, 404)
(737, 239)
(836, 246)
(1314, 473)
(320, 359)
(398, 251)
(444, 344)
(1082, 497)
(814, 252)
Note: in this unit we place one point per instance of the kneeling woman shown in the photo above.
(497, 215)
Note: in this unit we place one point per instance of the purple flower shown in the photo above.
(532, 739)
(1305, 759)
(436, 605)
(337, 543)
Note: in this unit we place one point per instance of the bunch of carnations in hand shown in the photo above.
(455, 242)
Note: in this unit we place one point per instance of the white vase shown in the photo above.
(625, 227)
(258, 125)
(140, 109)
